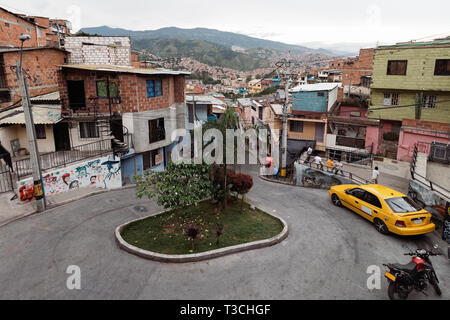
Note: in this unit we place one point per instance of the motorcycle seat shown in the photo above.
(410, 267)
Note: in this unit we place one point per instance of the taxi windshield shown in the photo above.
(403, 205)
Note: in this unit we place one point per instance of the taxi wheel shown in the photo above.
(381, 226)
(336, 201)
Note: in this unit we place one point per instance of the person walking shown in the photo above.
(309, 154)
(339, 167)
(375, 175)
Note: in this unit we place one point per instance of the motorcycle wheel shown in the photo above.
(394, 294)
(435, 284)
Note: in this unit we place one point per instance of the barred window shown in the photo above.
(391, 99)
(429, 101)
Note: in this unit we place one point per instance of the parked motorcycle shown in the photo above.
(416, 275)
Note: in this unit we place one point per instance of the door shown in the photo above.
(320, 131)
(61, 136)
(355, 201)
(77, 96)
(371, 206)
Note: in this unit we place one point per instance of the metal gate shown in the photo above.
(6, 183)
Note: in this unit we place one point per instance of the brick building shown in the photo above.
(41, 67)
(44, 32)
(145, 106)
(409, 74)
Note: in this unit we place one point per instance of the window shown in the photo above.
(156, 130)
(403, 205)
(358, 193)
(88, 130)
(429, 101)
(40, 131)
(261, 113)
(373, 200)
(102, 91)
(154, 88)
(397, 67)
(442, 67)
(320, 94)
(296, 126)
(190, 113)
(151, 159)
(391, 99)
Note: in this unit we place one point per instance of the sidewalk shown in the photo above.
(11, 210)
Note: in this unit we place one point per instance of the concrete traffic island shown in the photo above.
(195, 257)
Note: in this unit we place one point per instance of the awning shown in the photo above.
(42, 114)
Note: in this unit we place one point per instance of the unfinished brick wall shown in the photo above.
(11, 26)
(99, 50)
(354, 68)
(132, 90)
(426, 125)
(42, 67)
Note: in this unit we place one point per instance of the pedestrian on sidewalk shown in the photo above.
(339, 167)
(330, 165)
(309, 154)
(375, 175)
(318, 162)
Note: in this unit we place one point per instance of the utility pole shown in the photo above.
(35, 159)
(285, 115)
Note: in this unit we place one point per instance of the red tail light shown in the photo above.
(400, 224)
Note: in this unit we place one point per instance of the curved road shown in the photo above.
(325, 256)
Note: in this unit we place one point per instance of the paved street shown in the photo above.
(325, 256)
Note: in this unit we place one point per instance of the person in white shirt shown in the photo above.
(318, 162)
(339, 166)
(309, 153)
(375, 174)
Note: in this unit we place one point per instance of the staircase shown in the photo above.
(118, 146)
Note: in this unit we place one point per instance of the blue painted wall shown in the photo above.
(310, 101)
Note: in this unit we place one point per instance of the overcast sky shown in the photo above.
(345, 25)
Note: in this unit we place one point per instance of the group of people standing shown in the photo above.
(333, 166)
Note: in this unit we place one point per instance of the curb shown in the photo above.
(166, 258)
(62, 203)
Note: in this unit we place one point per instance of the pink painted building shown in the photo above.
(420, 133)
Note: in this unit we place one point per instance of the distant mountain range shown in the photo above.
(214, 47)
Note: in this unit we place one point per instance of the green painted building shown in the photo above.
(401, 71)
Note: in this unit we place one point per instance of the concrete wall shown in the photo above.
(98, 173)
(12, 132)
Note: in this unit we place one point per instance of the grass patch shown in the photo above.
(163, 234)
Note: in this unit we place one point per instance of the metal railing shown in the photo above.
(6, 182)
(63, 158)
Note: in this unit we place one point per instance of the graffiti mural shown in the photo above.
(308, 177)
(100, 173)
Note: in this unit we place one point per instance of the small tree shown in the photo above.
(241, 184)
(179, 186)
(192, 232)
(219, 232)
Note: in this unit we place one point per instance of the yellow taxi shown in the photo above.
(389, 210)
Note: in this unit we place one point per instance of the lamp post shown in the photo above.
(35, 160)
